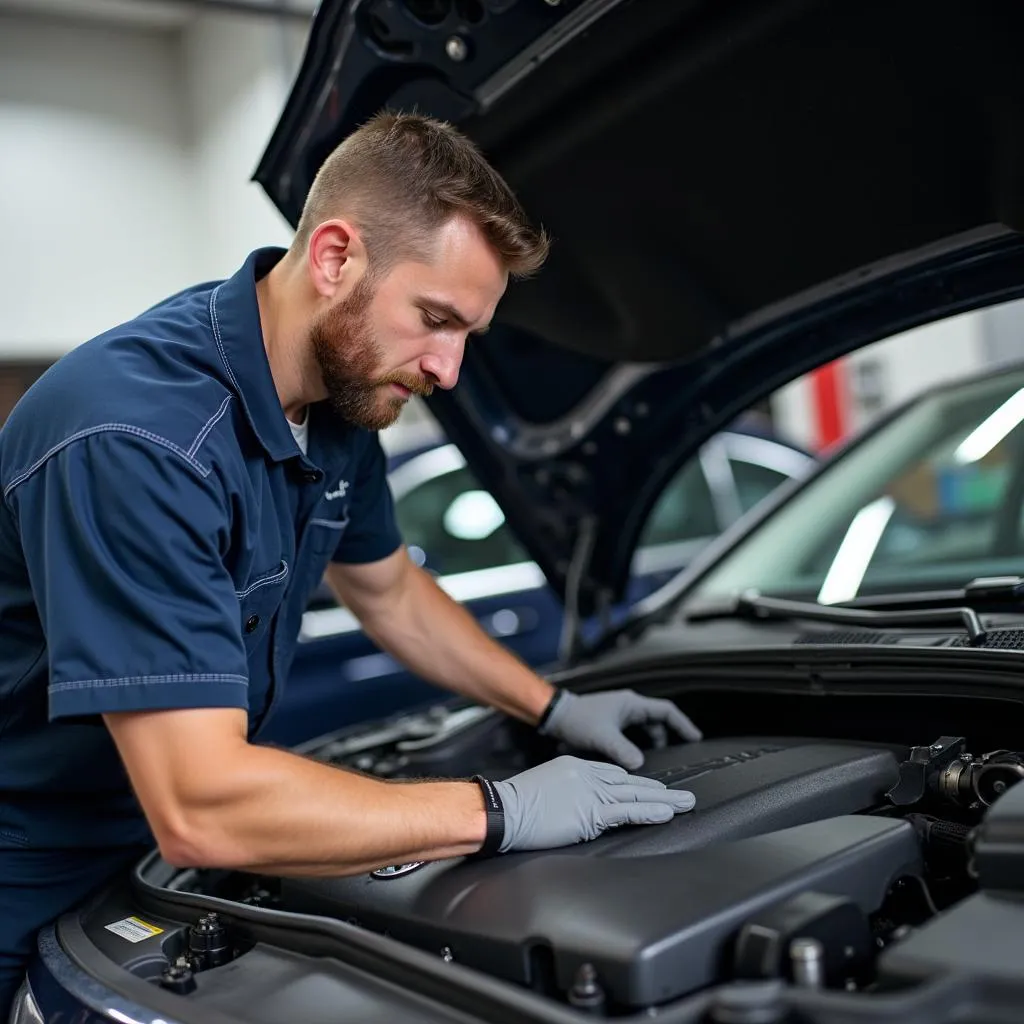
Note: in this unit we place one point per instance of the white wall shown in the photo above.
(239, 72)
(125, 163)
(96, 218)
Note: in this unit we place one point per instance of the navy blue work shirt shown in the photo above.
(160, 536)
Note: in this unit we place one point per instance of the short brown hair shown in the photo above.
(400, 177)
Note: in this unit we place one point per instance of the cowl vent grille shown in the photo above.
(997, 639)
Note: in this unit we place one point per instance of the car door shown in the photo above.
(455, 530)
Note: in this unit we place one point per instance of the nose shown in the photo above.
(443, 363)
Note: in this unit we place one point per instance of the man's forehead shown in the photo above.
(469, 290)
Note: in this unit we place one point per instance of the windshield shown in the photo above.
(932, 499)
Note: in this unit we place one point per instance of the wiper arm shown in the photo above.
(987, 593)
(754, 604)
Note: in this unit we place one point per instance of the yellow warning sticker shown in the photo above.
(134, 929)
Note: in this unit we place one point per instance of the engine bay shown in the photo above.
(805, 862)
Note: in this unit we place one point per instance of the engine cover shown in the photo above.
(653, 908)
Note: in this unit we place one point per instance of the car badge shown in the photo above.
(397, 870)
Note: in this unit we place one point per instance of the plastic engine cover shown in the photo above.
(653, 908)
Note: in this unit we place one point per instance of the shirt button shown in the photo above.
(251, 623)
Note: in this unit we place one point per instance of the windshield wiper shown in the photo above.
(753, 604)
(987, 593)
(959, 606)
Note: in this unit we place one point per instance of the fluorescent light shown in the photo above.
(980, 441)
(854, 554)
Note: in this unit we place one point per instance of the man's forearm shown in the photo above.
(440, 641)
(282, 814)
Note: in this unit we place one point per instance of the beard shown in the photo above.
(348, 357)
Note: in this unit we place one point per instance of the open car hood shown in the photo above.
(738, 192)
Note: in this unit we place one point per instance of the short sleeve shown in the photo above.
(372, 533)
(123, 538)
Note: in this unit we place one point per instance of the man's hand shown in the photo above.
(596, 722)
(569, 800)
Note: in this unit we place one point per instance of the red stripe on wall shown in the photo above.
(829, 400)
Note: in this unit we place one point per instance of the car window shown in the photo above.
(684, 511)
(456, 524)
(934, 498)
(754, 482)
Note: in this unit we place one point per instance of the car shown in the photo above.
(739, 193)
(456, 530)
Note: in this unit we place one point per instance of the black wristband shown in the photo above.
(495, 818)
(546, 713)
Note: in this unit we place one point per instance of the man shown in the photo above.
(174, 490)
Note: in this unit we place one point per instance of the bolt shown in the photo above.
(179, 978)
(999, 786)
(446, 954)
(586, 993)
(456, 48)
(621, 425)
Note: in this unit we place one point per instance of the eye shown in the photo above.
(433, 322)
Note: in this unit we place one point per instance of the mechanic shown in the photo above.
(175, 489)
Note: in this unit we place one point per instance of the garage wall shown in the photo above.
(95, 180)
(239, 72)
(125, 167)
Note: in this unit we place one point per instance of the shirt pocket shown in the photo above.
(259, 600)
(325, 533)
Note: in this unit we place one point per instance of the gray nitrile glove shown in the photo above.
(595, 722)
(569, 800)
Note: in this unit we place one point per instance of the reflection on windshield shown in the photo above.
(856, 551)
(932, 499)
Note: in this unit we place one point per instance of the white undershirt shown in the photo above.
(300, 431)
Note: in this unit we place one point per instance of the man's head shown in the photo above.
(409, 237)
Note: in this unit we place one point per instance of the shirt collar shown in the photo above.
(235, 317)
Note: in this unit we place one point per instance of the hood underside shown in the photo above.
(737, 193)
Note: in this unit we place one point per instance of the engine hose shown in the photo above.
(946, 843)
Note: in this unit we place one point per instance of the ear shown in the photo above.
(336, 258)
